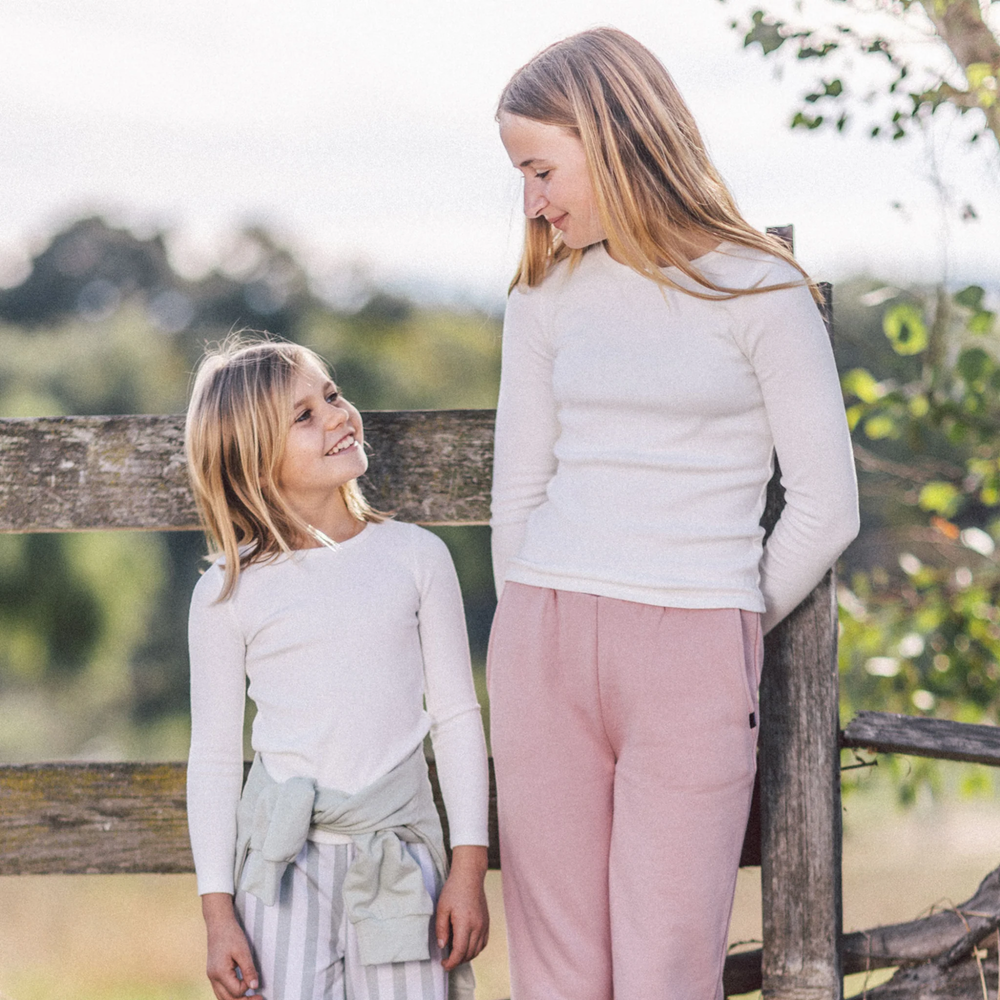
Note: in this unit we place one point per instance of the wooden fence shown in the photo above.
(127, 472)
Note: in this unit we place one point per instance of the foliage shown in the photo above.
(930, 54)
(920, 629)
(924, 633)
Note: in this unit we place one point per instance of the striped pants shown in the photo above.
(306, 948)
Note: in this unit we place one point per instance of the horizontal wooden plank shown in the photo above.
(131, 818)
(884, 732)
(112, 819)
(99, 818)
(128, 472)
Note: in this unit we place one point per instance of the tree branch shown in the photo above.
(961, 27)
(934, 947)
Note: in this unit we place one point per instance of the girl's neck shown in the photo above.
(331, 518)
(692, 245)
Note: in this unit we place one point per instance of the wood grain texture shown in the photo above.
(113, 819)
(128, 472)
(885, 732)
(930, 982)
(800, 804)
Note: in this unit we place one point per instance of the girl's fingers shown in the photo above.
(442, 925)
(478, 942)
(250, 978)
(227, 984)
(460, 934)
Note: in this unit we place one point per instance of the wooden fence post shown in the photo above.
(799, 760)
(800, 803)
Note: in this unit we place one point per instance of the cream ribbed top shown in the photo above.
(341, 649)
(635, 432)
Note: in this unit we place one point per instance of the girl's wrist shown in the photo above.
(471, 858)
(217, 906)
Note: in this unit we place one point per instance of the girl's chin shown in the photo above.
(581, 243)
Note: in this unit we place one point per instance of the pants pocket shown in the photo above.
(753, 655)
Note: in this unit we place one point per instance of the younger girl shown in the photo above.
(320, 881)
(657, 351)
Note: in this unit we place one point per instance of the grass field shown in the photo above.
(140, 937)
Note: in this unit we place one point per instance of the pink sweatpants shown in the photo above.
(625, 758)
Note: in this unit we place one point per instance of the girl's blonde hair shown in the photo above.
(654, 184)
(234, 437)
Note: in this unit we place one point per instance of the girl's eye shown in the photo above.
(303, 416)
(542, 174)
(332, 396)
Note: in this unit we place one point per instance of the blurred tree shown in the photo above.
(89, 269)
(922, 627)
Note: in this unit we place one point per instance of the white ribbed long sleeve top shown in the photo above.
(342, 649)
(635, 431)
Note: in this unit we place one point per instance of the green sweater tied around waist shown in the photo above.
(384, 893)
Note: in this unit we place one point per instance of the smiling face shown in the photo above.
(324, 449)
(557, 183)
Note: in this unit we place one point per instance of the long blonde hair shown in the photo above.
(234, 437)
(654, 184)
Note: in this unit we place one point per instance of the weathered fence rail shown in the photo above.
(90, 473)
(113, 819)
(884, 732)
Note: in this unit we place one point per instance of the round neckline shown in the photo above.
(365, 531)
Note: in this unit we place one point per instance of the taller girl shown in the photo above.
(657, 351)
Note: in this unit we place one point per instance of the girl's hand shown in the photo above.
(462, 917)
(228, 948)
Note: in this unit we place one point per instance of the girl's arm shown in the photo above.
(215, 777)
(526, 427)
(791, 354)
(459, 750)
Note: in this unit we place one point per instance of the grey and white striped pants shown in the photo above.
(306, 948)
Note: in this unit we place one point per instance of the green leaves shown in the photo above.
(970, 297)
(939, 497)
(981, 321)
(862, 384)
(973, 364)
(808, 52)
(831, 88)
(764, 32)
(801, 120)
(904, 325)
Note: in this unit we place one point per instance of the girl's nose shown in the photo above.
(534, 201)
(335, 416)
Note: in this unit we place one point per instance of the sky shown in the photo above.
(362, 132)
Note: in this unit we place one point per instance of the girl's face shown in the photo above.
(556, 179)
(324, 449)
